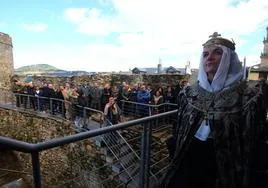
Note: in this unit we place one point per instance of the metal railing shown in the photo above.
(127, 158)
(145, 175)
(134, 110)
(35, 149)
(123, 153)
(81, 115)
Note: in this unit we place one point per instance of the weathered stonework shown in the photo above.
(6, 63)
(112, 79)
(58, 165)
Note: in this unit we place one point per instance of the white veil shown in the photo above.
(229, 72)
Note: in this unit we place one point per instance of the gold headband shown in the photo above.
(217, 39)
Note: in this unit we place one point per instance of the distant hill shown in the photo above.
(47, 70)
(37, 68)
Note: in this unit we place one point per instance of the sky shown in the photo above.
(119, 35)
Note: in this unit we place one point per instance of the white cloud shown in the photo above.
(253, 55)
(147, 29)
(35, 27)
(76, 14)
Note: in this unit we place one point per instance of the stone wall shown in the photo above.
(18, 124)
(112, 79)
(6, 62)
(58, 165)
(264, 61)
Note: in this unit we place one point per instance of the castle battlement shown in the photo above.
(5, 39)
(6, 62)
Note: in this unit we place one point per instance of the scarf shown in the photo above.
(229, 72)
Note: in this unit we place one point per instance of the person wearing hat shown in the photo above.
(218, 124)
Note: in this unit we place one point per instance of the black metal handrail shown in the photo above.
(34, 149)
(55, 142)
(26, 103)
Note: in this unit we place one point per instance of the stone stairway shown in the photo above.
(11, 173)
(123, 148)
(159, 154)
(11, 180)
(125, 163)
(124, 157)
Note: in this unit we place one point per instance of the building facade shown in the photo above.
(259, 71)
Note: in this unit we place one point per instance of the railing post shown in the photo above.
(62, 108)
(145, 156)
(148, 154)
(28, 105)
(123, 106)
(150, 110)
(51, 105)
(36, 169)
(84, 117)
(19, 100)
(136, 110)
(38, 103)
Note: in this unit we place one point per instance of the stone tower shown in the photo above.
(159, 66)
(7, 66)
(264, 55)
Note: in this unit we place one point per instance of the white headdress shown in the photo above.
(229, 71)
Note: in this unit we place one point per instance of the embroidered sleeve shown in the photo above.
(252, 125)
(182, 102)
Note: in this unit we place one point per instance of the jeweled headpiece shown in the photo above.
(216, 38)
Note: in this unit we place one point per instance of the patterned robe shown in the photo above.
(233, 115)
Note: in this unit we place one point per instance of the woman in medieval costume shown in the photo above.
(218, 124)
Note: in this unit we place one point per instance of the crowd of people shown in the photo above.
(93, 95)
(220, 121)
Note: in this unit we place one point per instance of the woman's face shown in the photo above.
(111, 100)
(212, 58)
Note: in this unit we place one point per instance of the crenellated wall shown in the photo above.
(112, 79)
